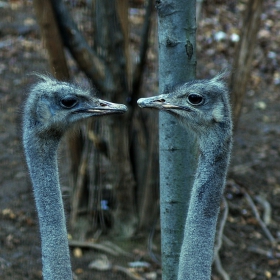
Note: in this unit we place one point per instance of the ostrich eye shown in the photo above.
(195, 99)
(68, 102)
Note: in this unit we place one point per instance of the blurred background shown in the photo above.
(109, 166)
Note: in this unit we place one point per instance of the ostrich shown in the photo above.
(201, 106)
(51, 108)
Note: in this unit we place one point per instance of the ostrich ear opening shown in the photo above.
(218, 114)
(44, 112)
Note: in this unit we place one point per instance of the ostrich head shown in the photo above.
(53, 106)
(200, 105)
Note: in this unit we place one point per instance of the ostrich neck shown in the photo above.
(197, 249)
(41, 156)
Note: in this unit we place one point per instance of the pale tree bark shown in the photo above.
(244, 55)
(177, 64)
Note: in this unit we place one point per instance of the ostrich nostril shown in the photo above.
(161, 100)
(103, 104)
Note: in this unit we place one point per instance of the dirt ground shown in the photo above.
(247, 252)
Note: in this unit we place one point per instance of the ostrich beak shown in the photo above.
(104, 108)
(159, 102)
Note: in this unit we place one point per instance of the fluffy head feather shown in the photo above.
(52, 106)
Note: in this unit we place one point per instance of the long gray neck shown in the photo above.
(197, 249)
(41, 156)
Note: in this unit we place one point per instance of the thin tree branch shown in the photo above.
(244, 55)
(220, 269)
(257, 215)
(127, 272)
(219, 237)
(228, 241)
(268, 253)
(221, 228)
(80, 183)
(99, 247)
(144, 43)
(266, 207)
(87, 59)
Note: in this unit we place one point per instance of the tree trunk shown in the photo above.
(51, 39)
(244, 56)
(144, 138)
(111, 38)
(177, 64)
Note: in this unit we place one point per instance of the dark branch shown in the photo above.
(87, 59)
(138, 72)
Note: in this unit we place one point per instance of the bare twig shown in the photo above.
(220, 268)
(153, 256)
(99, 247)
(244, 55)
(218, 246)
(138, 72)
(127, 272)
(268, 253)
(219, 235)
(117, 248)
(78, 190)
(257, 215)
(228, 241)
(107, 247)
(87, 59)
(266, 207)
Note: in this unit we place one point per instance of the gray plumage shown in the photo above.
(203, 107)
(51, 108)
